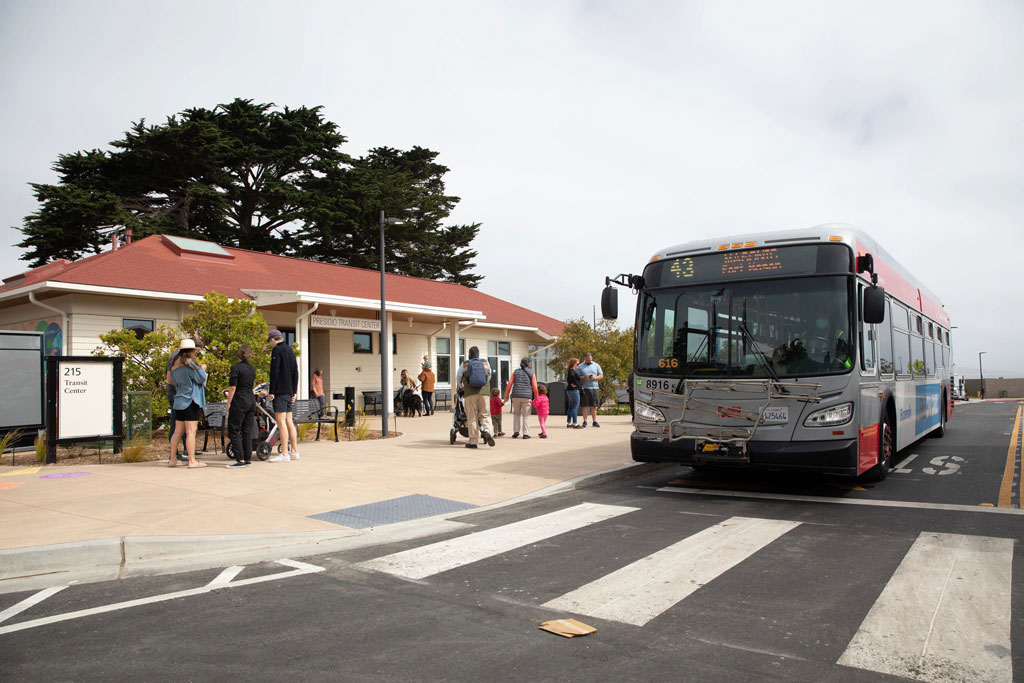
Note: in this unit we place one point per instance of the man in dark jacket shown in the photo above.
(284, 386)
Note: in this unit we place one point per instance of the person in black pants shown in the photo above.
(241, 407)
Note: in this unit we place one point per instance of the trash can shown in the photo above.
(349, 397)
(557, 397)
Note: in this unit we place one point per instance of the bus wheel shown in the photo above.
(941, 431)
(886, 450)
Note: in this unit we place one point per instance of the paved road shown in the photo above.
(687, 576)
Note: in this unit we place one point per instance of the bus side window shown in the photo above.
(917, 355)
(867, 348)
(883, 334)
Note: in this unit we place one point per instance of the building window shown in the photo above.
(444, 360)
(394, 345)
(541, 357)
(140, 327)
(362, 342)
(462, 351)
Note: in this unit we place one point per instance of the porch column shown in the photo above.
(387, 358)
(454, 364)
(302, 339)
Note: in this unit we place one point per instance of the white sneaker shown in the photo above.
(279, 458)
(295, 456)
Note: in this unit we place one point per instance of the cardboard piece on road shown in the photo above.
(569, 628)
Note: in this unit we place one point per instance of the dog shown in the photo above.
(409, 404)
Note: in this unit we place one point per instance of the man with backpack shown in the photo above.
(473, 376)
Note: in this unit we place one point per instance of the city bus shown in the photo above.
(800, 350)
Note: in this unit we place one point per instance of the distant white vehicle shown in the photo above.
(959, 388)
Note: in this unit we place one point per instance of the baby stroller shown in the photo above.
(265, 435)
(459, 422)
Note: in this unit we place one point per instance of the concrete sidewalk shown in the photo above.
(147, 511)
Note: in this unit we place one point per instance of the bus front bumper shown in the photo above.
(835, 456)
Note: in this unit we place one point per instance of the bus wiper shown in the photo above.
(761, 357)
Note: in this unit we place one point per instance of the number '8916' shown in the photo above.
(668, 363)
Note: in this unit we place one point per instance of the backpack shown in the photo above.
(476, 375)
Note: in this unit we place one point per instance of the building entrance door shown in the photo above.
(499, 357)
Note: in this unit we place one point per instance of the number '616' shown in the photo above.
(668, 362)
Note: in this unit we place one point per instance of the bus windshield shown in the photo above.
(784, 328)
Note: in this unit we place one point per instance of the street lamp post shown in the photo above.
(385, 397)
(981, 373)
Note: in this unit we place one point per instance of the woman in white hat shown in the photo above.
(189, 380)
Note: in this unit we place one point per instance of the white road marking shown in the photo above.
(641, 591)
(220, 582)
(941, 461)
(902, 467)
(29, 602)
(842, 501)
(419, 563)
(944, 615)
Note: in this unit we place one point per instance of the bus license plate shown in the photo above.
(776, 416)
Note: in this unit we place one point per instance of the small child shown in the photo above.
(543, 407)
(496, 406)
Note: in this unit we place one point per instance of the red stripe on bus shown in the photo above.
(867, 448)
(899, 287)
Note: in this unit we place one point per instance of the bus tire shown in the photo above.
(886, 451)
(941, 431)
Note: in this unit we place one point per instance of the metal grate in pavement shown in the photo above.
(391, 511)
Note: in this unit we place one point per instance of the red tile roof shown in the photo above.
(152, 264)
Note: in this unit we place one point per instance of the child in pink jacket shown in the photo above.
(543, 407)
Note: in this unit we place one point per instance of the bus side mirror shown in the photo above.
(610, 303)
(874, 305)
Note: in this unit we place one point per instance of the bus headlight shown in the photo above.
(648, 412)
(830, 417)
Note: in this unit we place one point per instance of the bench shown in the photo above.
(443, 396)
(307, 411)
(215, 416)
(371, 399)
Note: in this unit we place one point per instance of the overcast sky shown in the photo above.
(585, 136)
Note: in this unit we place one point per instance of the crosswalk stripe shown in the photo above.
(641, 591)
(944, 615)
(419, 563)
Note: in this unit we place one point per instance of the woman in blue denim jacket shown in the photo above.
(189, 380)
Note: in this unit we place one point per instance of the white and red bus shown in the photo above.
(807, 350)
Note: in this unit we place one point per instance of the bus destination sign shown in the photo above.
(805, 259)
